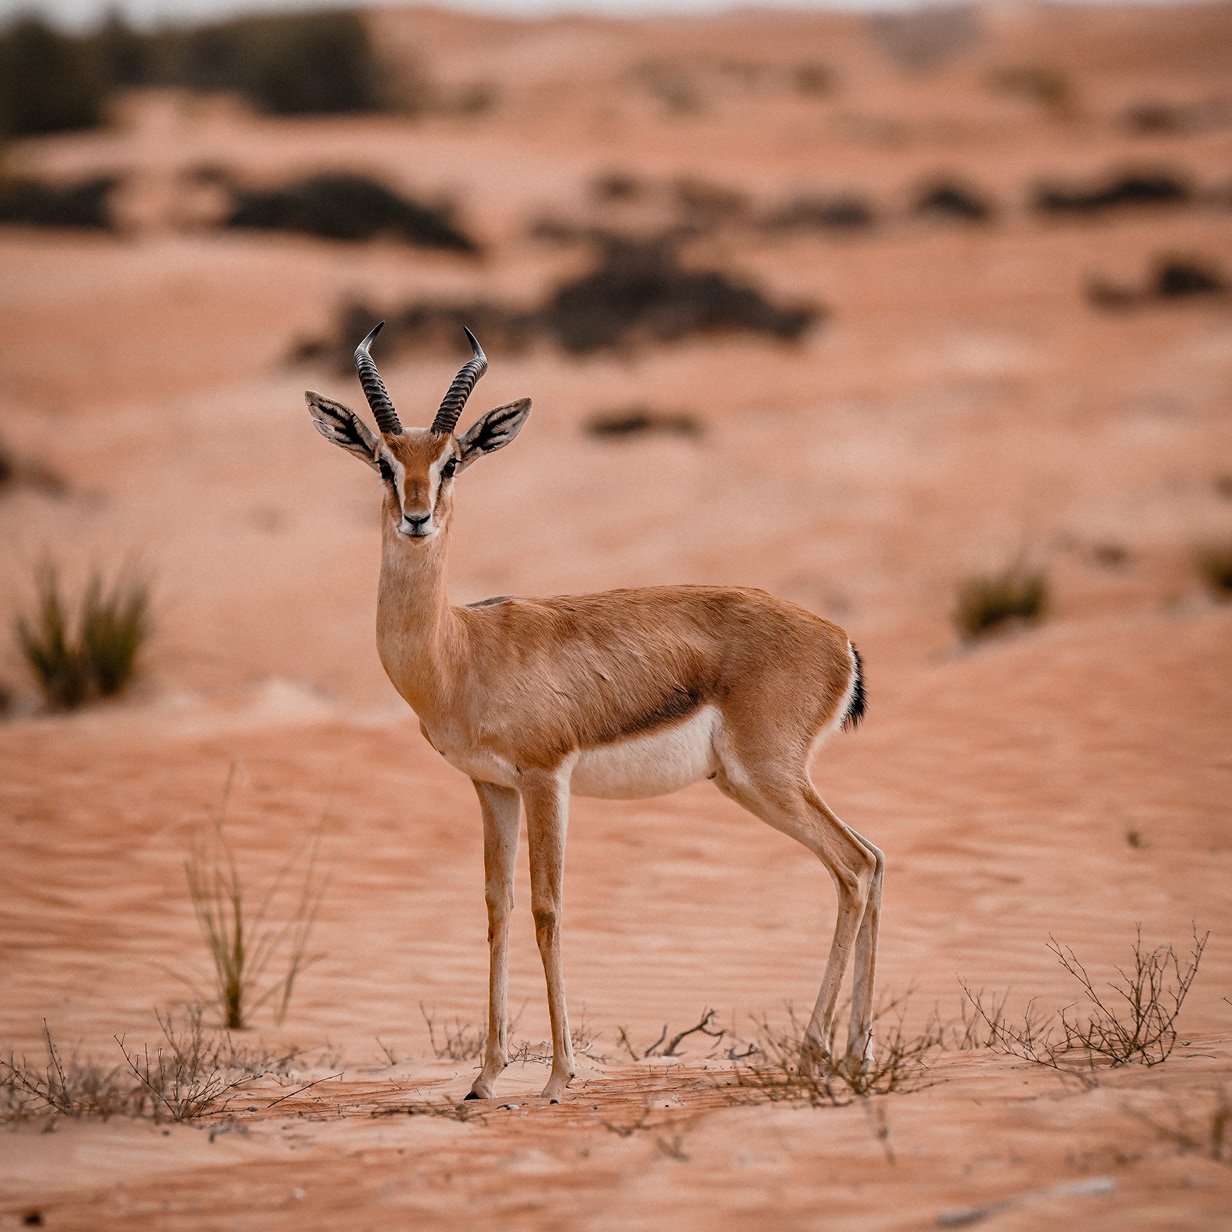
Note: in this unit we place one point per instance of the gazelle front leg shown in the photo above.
(500, 848)
(546, 796)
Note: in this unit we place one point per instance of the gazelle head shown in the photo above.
(417, 465)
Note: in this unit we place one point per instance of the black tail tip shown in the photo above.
(858, 703)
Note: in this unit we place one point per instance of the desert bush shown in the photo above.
(951, 202)
(640, 293)
(302, 63)
(1015, 596)
(776, 1068)
(807, 213)
(1214, 564)
(1131, 189)
(636, 294)
(455, 1040)
(346, 207)
(37, 203)
(68, 1086)
(97, 654)
(1172, 279)
(639, 420)
(50, 82)
(243, 938)
(1130, 1021)
(189, 1074)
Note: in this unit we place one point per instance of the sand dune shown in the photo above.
(960, 405)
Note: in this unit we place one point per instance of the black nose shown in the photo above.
(417, 521)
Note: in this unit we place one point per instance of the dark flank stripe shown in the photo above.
(679, 705)
(489, 602)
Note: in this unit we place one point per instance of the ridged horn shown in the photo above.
(374, 388)
(453, 402)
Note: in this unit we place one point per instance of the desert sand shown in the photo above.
(961, 405)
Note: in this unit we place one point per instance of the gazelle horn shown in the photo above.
(453, 402)
(374, 388)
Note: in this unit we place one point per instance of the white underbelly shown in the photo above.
(652, 764)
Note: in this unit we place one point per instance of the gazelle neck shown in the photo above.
(416, 630)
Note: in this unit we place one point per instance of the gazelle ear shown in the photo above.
(341, 425)
(493, 430)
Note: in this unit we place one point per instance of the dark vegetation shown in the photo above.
(1172, 279)
(306, 63)
(643, 294)
(1214, 562)
(1017, 595)
(348, 207)
(634, 295)
(92, 654)
(812, 213)
(951, 202)
(640, 421)
(1128, 190)
(81, 204)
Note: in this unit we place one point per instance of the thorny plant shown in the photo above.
(242, 939)
(1130, 1021)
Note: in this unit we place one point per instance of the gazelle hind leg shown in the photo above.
(864, 967)
(500, 808)
(546, 797)
(792, 805)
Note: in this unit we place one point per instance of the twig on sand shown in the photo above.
(964, 1216)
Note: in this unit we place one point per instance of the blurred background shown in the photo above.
(856, 305)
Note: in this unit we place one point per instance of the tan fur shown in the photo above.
(514, 692)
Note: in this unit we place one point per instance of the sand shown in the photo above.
(961, 406)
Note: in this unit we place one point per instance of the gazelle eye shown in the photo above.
(451, 465)
(386, 470)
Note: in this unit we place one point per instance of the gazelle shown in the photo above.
(623, 694)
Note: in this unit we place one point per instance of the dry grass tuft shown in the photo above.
(243, 940)
(92, 655)
(986, 605)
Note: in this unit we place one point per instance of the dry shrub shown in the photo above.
(240, 931)
(79, 204)
(1015, 596)
(814, 213)
(952, 202)
(67, 1086)
(779, 1068)
(639, 421)
(188, 1075)
(453, 1041)
(349, 208)
(923, 39)
(668, 1047)
(1171, 280)
(1129, 1021)
(1128, 190)
(94, 655)
(635, 295)
(1214, 564)
(642, 294)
